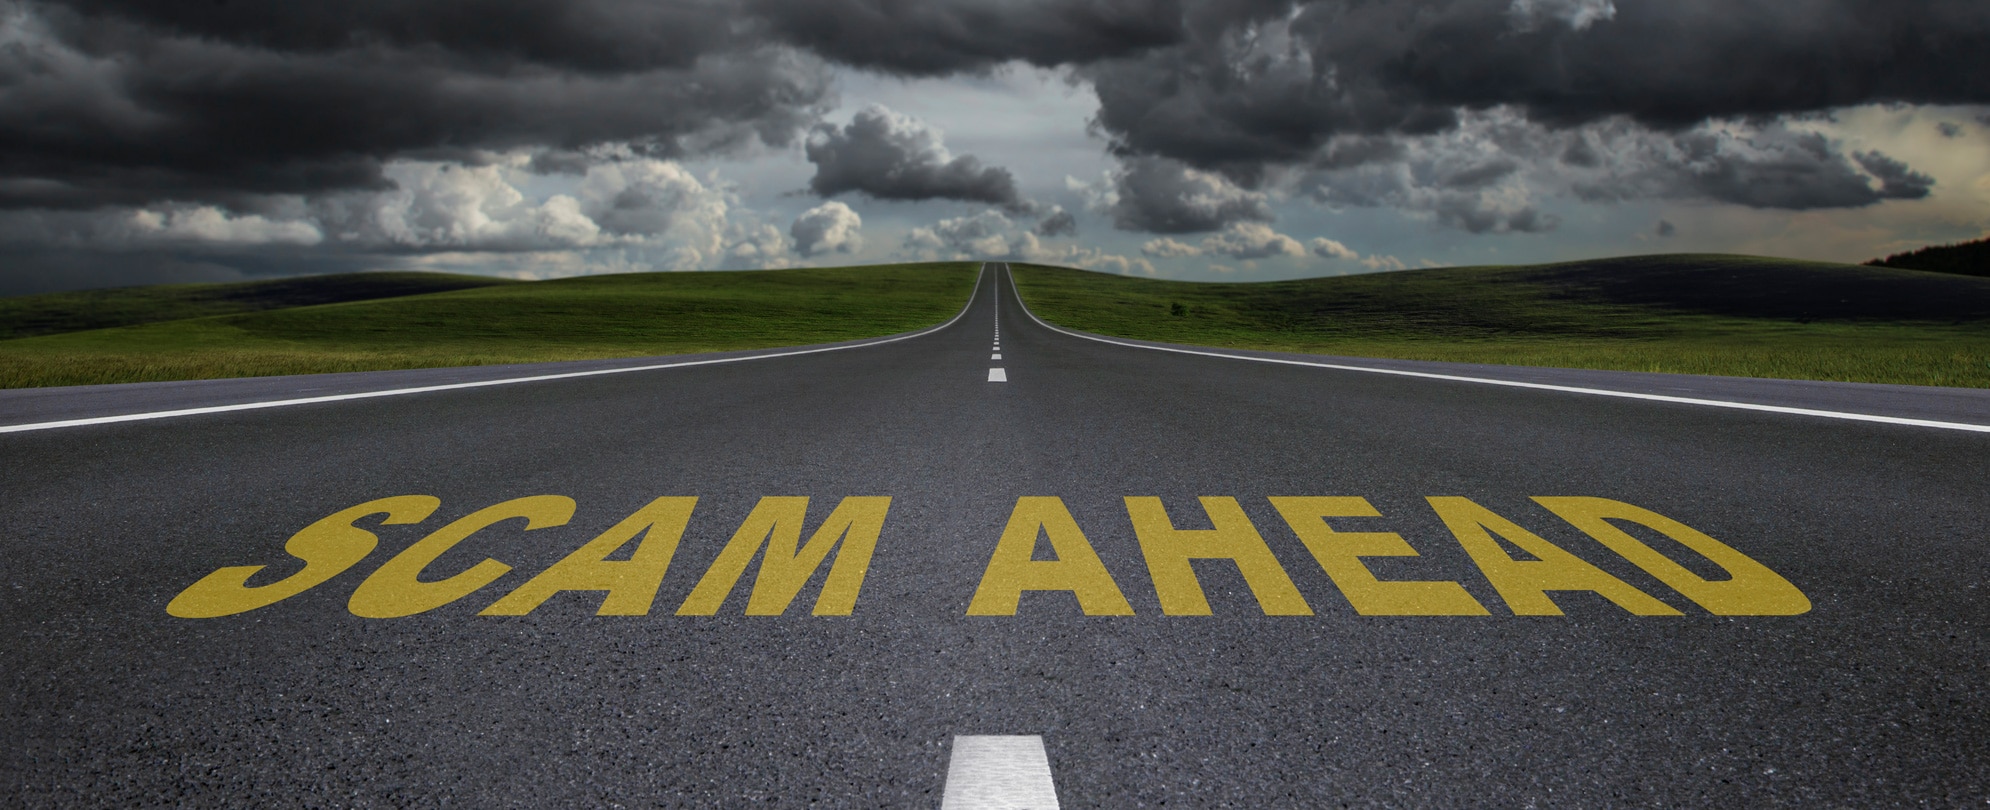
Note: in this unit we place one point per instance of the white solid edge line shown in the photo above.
(1602, 392)
(279, 403)
(985, 772)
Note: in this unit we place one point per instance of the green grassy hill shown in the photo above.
(1698, 314)
(1703, 314)
(51, 313)
(627, 315)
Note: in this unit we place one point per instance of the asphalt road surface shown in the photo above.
(1725, 607)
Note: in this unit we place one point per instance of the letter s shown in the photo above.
(327, 547)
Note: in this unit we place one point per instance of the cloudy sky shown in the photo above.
(145, 142)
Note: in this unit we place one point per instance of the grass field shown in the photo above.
(1698, 314)
(473, 322)
(51, 313)
(1695, 314)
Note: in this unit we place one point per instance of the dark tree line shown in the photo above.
(1963, 258)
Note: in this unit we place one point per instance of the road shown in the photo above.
(1827, 649)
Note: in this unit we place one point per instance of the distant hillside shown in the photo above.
(1962, 258)
(52, 313)
(1694, 314)
(579, 318)
(1760, 287)
(1625, 297)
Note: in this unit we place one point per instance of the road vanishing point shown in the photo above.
(995, 564)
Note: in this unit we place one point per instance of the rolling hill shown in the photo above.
(1688, 313)
(586, 317)
(52, 313)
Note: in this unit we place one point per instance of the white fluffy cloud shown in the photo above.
(156, 226)
(1329, 249)
(827, 228)
(621, 211)
(987, 234)
(1252, 240)
(451, 206)
(212, 225)
(756, 247)
(1238, 240)
(632, 201)
(645, 198)
(1169, 248)
(990, 235)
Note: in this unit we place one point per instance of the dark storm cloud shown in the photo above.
(1472, 215)
(110, 103)
(891, 156)
(1487, 175)
(134, 102)
(1058, 222)
(1157, 195)
(939, 37)
(1479, 178)
(1279, 91)
(1771, 168)
(559, 161)
(131, 101)
(1897, 182)
(1808, 174)
(606, 36)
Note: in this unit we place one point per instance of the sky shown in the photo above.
(145, 142)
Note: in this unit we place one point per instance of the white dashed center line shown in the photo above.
(999, 772)
(994, 375)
